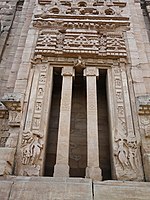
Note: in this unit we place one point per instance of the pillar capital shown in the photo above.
(91, 71)
(68, 71)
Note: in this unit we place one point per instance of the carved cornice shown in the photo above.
(101, 15)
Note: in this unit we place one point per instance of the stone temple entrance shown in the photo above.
(78, 126)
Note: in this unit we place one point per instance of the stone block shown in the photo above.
(51, 188)
(6, 160)
(116, 190)
(5, 187)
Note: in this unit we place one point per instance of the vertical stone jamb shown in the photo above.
(62, 168)
(126, 159)
(31, 154)
(93, 170)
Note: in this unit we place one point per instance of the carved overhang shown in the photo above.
(75, 27)
(68, 14)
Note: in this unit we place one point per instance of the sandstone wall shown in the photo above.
(16, 188)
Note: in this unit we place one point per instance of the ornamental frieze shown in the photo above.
(55, 42)
(97, 8)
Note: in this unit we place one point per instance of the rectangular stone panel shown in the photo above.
(27, 188)
(5, 187)
(117, 190)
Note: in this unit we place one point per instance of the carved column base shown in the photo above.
(61, 170)
(94, 173)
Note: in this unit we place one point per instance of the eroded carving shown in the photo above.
(31, 147)
(127, 153)
(126, 146)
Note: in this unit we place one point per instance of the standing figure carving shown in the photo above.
(32, 147)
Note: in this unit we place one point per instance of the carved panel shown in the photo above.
(39, 97)
(126, 147)
(81, 42)
(33, 140)
(78, 7)
(31, 147)
(54, 42)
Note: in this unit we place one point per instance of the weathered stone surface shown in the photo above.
(6, 160)
(5, 189)
(117, 190)
(51, 188)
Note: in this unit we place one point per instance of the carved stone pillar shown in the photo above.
(126, 158)
(62, 168)
(143, 103)
(93, 170)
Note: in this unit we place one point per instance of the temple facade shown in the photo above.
(74, 99)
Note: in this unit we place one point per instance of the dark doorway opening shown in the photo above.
(103, 126)
(78, 137)
(51, 149)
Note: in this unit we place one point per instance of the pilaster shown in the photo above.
(62, 168)
(93, 170)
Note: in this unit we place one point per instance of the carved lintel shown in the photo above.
(13, 102)
(91, 71)
(68, 71)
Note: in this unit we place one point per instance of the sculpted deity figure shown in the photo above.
(31, 147)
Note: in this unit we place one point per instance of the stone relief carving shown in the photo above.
(4, 134)
(31, 147)
(13, 102)
(127, 153)
(143, 106)
(103, 8)
(73, 155)
(145, 125)
(54, 42)
(126, 146)
(32, 142)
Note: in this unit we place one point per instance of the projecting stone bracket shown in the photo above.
(13, 103)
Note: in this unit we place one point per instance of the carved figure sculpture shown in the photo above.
(122, 153)
(31, 147)
(132, 147)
